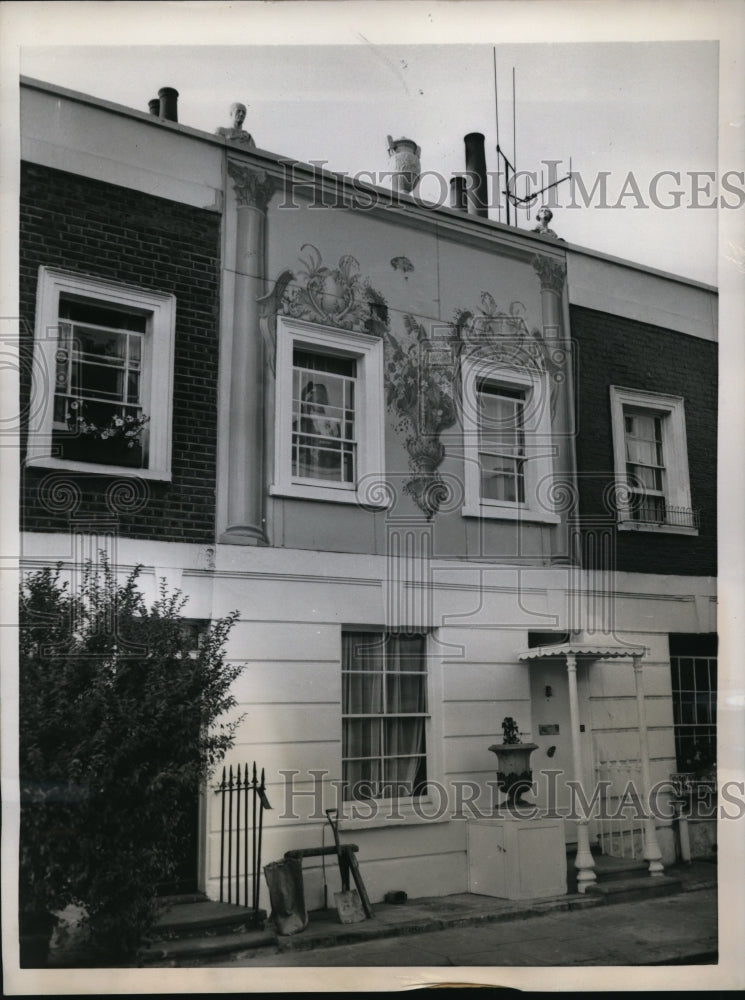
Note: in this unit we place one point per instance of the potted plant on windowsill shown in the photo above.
(116, 441)
(514, 775)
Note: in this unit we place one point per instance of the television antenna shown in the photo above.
(510, 168)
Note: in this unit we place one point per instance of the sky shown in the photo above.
(616, 107)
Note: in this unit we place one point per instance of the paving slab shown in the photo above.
(665, 930)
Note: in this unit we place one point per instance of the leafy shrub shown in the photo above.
(118, 725)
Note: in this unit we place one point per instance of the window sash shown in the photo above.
(645, 465)
(384, 713)
(324, 421)
(694, 695)
(501, 454)
(78, 371)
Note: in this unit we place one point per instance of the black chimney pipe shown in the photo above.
(458, 193)
(168, 103)
(477, 194)
(154, 106)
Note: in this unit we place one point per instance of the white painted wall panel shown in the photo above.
(282, 681)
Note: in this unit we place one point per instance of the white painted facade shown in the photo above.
(294, 600)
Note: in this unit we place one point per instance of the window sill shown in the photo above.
(486, 512)
(48, 462)
(388, 813)
(658, 529)
(326, 494)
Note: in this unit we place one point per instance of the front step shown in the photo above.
(193, 928)
(607, 869)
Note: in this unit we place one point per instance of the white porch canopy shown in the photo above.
(571, 652)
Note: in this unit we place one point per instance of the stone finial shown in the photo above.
(236, 132)
(544, 216)
(406, 163)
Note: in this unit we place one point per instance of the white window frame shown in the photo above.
(677, 490)
(539, 447)
(363, 813)
(367, 351)
(157, 369)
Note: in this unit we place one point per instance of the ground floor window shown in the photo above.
(384, 706)
(693, 665)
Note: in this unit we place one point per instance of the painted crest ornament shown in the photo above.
(336, 296)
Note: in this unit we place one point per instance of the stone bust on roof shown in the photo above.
(543, 217)
(236, 132)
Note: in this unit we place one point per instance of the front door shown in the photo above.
(185, 877)
(549, 693)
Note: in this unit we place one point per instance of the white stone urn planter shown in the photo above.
(514, 774)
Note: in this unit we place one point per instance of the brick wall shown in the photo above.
(615, 351)
(88, 227)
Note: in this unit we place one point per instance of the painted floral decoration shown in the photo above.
(419, 393)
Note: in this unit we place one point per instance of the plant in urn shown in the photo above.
(514, 775)
(406, 163)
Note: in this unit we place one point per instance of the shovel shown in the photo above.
(348, 903)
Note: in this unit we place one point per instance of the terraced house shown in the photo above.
(450, 472)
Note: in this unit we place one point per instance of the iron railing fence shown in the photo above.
(243, 801)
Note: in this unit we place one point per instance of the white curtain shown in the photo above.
(384, 677)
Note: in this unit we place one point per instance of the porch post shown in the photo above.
(584, 862)
(652, 852)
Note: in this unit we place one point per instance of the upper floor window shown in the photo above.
(507, 442)
(651, 461)
(329, 411)
(105, 354)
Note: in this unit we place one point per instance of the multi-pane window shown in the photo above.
(501, 443)
(324, 443)
(508, 441)
(329, 415)
(652, 489)
(645, 465)
(98, 379)
(108, 351)
(384, 705)
(693, 665)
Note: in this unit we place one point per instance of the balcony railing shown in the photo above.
(656, 513)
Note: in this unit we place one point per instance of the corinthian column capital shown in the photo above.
(552, 273)
(253, 187)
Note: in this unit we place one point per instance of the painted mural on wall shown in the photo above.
(504, 338)
(419, 392)
(421, 371)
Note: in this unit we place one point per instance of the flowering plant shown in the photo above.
(119, 428)
(510, 731)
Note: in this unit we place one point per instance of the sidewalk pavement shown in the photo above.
(469, 930)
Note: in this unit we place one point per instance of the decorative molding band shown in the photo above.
(552, 273)
(253, 188)
(236, 574)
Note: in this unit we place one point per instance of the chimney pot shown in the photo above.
(458, 193)
(168, 103)
(154, 106)
(477, 194)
